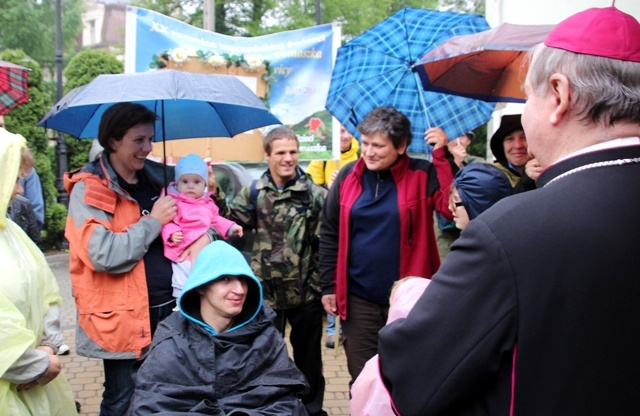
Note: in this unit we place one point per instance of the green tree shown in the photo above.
(464, 6)
(82, 69)
(260, 17)
(30, 25)
(188, 11)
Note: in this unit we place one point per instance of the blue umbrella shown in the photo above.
(188, 105)
(376, 69)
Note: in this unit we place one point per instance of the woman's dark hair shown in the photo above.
(389, 121)
(118, 119)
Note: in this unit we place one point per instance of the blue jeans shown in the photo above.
(118, 387)
(331, 325)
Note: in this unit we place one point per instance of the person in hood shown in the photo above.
(475, 189)
(197, 212)
(509, 147)
(31, 381)
(221, 354)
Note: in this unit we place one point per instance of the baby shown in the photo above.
(196, 214)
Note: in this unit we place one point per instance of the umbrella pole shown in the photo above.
(420, 94)
(164, 149)
(164, 161)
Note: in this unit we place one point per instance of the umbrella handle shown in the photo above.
(420, 94)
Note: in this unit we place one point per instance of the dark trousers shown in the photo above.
(306, 340)
(360, 329)
(118, 380)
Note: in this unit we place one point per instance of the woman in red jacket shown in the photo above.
(377, 227)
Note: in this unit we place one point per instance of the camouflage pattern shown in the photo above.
(285, 250)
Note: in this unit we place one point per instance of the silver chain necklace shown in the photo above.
(617, 162)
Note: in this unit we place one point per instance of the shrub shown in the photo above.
(82, 69)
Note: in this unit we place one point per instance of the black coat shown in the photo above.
(548, 280)
(244, 372)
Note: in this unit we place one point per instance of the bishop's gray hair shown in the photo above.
(603, 90)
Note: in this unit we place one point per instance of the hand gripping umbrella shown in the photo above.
(489, 65)
(376, 69)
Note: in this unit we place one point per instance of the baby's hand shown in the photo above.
(236, 230)
(176, 237)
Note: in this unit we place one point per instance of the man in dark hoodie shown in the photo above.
(221, 353)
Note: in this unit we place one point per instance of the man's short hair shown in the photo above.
(280, 132)
(603, 90)
(389, 121)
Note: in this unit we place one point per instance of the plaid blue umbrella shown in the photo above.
(376, 69)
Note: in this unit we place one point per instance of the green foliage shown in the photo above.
(82, 69)
(464, 6)
(478, 146)
(260, 17)
(55, 220)
(88, 64)
(188, 11)
(31, 26)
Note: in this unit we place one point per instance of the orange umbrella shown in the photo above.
(488, 65)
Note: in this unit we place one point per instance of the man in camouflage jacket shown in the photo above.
(284, 207)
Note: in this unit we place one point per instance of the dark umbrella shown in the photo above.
(376, 69)
(489, 65)
(13, 86)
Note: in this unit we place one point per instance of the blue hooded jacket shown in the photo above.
(214, 261)
(480, 185)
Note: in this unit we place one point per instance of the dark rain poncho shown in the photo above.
(190, 368)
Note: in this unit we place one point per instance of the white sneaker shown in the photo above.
(64, 349)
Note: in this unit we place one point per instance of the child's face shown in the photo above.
(191, 185)
(459, 212)
(18, 189)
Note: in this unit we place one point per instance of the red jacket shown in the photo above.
(420, 191)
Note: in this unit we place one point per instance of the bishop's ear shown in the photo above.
(561, 94)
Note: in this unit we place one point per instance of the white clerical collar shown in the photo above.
(609, 144)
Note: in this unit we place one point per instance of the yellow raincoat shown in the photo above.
(27, 288)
